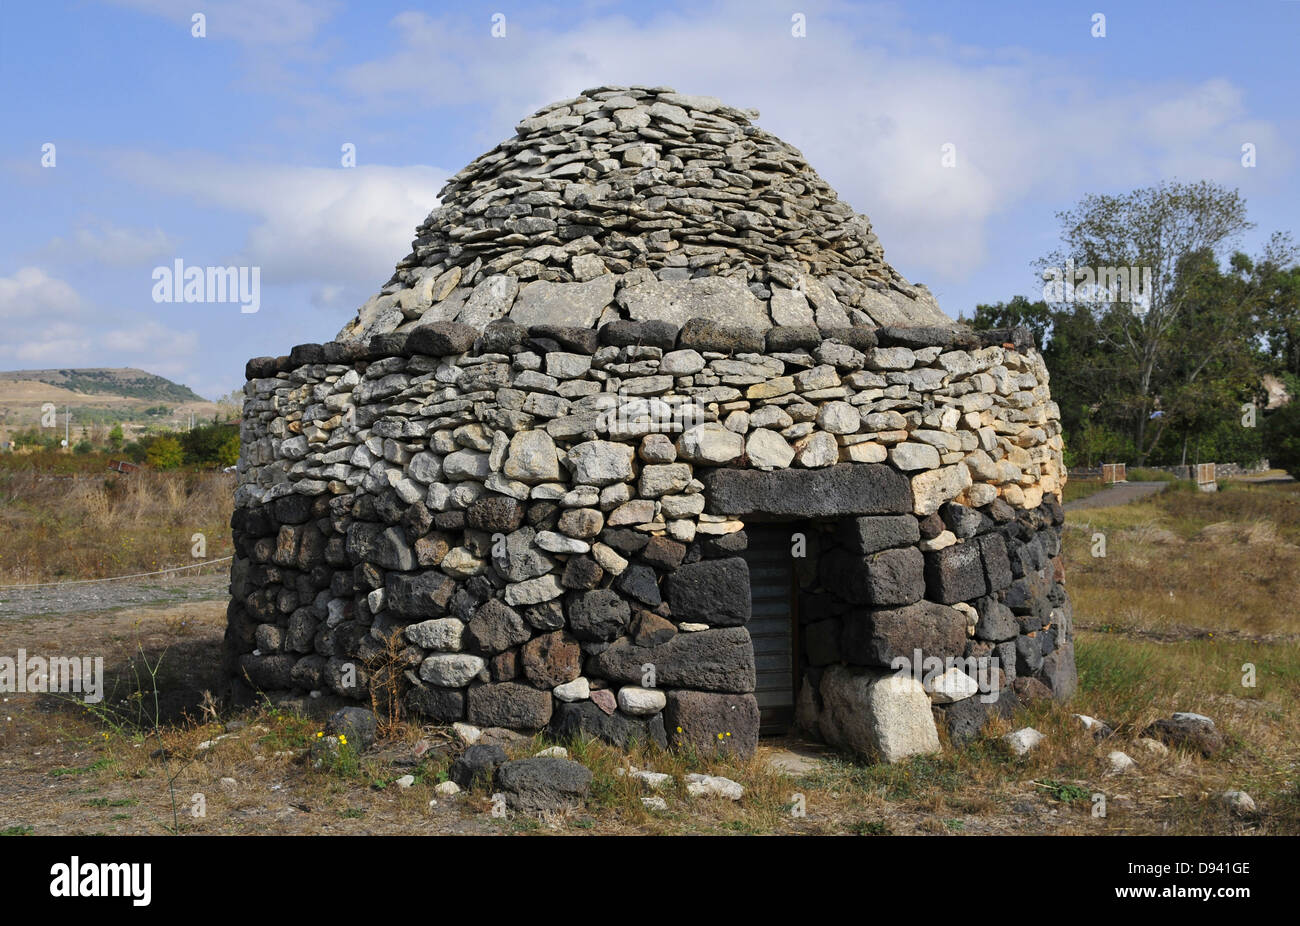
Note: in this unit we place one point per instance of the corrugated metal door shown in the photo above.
(771, 625)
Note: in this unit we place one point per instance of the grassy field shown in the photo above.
(1194, 592)
(87, 525)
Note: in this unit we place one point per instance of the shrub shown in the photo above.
(1282, 437)
(165, 453)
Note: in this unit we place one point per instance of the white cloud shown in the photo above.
(258, 22)
(47, 323)
(105, 243)
(31, 293)
(868, 102)
(321, 226)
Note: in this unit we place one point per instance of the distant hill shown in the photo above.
(100, 395)
(126, 382)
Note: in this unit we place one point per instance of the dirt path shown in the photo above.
(1120, 494)
(70, 598)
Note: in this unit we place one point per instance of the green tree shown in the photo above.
(1281, 434)
(228, 452)
(115, 437)
(165, 453)
(1154, 230)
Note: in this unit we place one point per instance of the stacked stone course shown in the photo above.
(522, 475)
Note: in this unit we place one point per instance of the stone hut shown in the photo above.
(645, 439)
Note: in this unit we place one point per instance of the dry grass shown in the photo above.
(92, 526)
(63, 770)
(1185, 562)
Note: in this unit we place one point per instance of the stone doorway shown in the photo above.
(773, 623)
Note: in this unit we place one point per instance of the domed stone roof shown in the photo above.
(645, 204)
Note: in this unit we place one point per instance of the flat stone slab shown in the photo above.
(794, 764)
(723, 300)
(835, 491)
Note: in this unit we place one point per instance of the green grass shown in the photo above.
(92, 767)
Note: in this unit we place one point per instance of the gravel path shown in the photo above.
(112, 594)
(1120, 494)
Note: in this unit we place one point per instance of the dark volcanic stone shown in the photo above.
(885, 579)
(923, 336)
(624, 539)
(877, 637)
(450, 520)
(543, 783)
(1029, 654)
(659, 334)
(422, 594)
(475, 765)
(270, 673)
(997, 567)
(551, 659)
(714, 592)
(652, 630)
(261, 368)
(822, 642)
(663, 553)
(1189, 732)
(1029, 689)
(1000, 511)
(996, 621)
(581, 572)
(576, 340)
(725, 545)
(833, 491)
(964, 522)
(392, 344)
(504, 667)
(785, 339)
(441, 339)
(345, 352)
(586, 719)
(501, 337)
(713, 722)
(549, 615)
(495, 513)
(385, 547)
(872, 534)
(705, 334)
(358, 724)
(965, 719)
(711, 660)
(640, 582)
(292, 509)
(855, 336)
(598, 616)
(931, 526)
(955, 573)
(509, 704)
(441, 705)
(496, 627)
(1059, 672)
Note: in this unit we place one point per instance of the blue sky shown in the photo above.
(226, 149)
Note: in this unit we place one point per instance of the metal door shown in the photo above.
(771, 624)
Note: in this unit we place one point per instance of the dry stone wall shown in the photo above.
(516, 488)
(515, 525)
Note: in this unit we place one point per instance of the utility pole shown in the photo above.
(67, 426)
